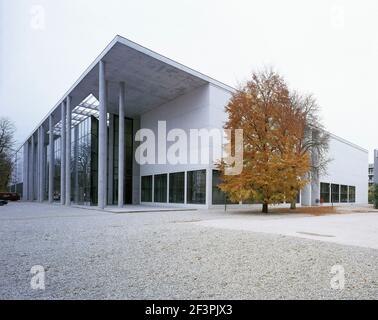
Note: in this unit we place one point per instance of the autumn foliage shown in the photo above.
(275, 166)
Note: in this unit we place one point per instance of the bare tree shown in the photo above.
(316, 139)
(7, 131)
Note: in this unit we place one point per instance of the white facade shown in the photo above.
(347, 167)
(205, 108)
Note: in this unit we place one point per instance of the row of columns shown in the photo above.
(34, 158)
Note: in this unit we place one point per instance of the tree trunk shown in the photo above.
(293, 205)
(265, 208)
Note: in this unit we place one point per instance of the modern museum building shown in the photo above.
(85, 151)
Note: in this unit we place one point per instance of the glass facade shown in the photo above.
(343, 193)
(219, 197)
(128, 163)
(177, 187)
(324, 192)
(335, 193)
(82, 162)
(146, 189)
(338, 194)
(196, 187)
(160, 188)
(352, 194)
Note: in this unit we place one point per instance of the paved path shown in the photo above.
(356, 229)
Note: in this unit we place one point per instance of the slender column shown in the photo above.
(32, 171)
(39, 158)
(41, 144)
(121, 145)
(102, 137)
(186, 187)
(68, 150)
(209, 178)
(25, 174)
(75, 164)
(110, 159)
(37, 154)
(51, 160)
(63, 156)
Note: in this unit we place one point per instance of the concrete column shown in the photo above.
(168, 187)
(102, 137)
(25, 173)
(39, 165)
(37, 161)
(41, 181)
(51, 160)
(76, 164)
(32, 167)
(121, 145)
(209, 187)
(111, 159)
(186, 187)
(63, 155)
(135, 187)
(306, 194)
(68, 150)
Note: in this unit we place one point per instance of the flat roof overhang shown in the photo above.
(151, 80)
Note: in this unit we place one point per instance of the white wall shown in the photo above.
(190, 111)
(201, 109)
(348, 166)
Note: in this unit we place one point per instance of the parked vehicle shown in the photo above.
(9, 196)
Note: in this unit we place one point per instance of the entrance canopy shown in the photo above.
(151, 80)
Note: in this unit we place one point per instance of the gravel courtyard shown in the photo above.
(89, 254)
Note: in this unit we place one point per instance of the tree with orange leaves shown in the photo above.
(274, 164)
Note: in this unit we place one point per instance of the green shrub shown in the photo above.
(375, 196)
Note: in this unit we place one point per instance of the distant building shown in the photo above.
(371, 174)
(375, 168)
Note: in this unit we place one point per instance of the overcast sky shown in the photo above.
(329, 48)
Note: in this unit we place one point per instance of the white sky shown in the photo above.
(329, 48)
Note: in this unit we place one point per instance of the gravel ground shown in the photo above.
(97, 255)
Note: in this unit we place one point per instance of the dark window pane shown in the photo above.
(219, 197)
(160, 186)
(324, 192)
(343, 193)
(352, 194)
(298, 198)
(196, 187)
(176, 187)
(146, 195)
(335, 193)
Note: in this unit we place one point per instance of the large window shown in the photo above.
(324, 192)
(146, 195)
(196, 187)
(343, 193)
(335, 193)
(128, 163)
(176, 187)
(352, 194)
(160, 188)
(219, 197)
